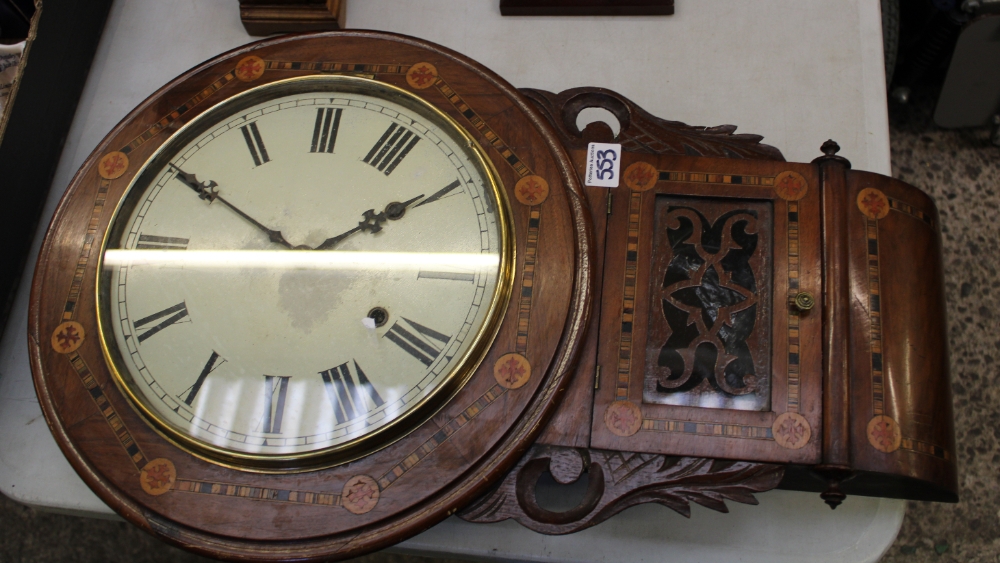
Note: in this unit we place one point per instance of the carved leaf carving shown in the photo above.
(616, 481)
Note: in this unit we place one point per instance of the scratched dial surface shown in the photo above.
(301, 267)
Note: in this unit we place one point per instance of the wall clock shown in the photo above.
(294, 304)
(319, 293)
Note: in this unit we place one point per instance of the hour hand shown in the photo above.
(208, 190)
(372, 221)
(395, 210)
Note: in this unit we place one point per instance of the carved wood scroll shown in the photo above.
(709, 320)
(616, 481)
(642, 132)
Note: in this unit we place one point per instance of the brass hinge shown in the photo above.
(597, 378)
(609, 202)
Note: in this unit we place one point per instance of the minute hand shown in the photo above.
(208, 191)
(274, 236)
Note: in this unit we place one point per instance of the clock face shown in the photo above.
(303, 268)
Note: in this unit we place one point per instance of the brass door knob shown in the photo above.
(803, 301)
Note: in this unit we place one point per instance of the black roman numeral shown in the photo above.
(192, 392)
(440, 193)
(350, 400)
(173, 314)
(390, 150)
(455, 276)
(275, 390)
(420, 347)
(325, 131)
(162, 243)
(256, 145)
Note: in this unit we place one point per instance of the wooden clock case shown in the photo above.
(848, 295)
(816, 362)
(446, 460)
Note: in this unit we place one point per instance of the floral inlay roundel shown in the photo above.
(709, 318)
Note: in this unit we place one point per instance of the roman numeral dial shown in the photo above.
(391, 149)
(214, 361)
(350, 395)
(301, 271)
(443, 192)
(275, 395)
(251, 134)
(151, 325)
(162, 243)
(453, 276)
(326, 128)
(421, 342)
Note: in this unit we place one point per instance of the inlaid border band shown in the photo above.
(792, 397)
(484, 401)
(628, 298)
(875, 205)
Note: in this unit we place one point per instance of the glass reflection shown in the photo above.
(326, 260)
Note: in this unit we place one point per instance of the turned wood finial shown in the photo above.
(833, 496)
(830, 149)
(834, 475)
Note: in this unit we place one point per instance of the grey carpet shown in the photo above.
(961, 170)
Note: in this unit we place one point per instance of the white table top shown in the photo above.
(796, 74)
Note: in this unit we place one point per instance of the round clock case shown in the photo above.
(250, 503)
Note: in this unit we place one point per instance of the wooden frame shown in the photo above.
(267, 17)
(586, 7)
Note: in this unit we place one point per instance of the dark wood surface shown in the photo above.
(586, 7)
(267, 17)
(901, 421)
(835, 465)
(115, 451)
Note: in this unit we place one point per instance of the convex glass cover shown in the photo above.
(304, 271)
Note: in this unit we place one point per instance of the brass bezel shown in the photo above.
(389, 433)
